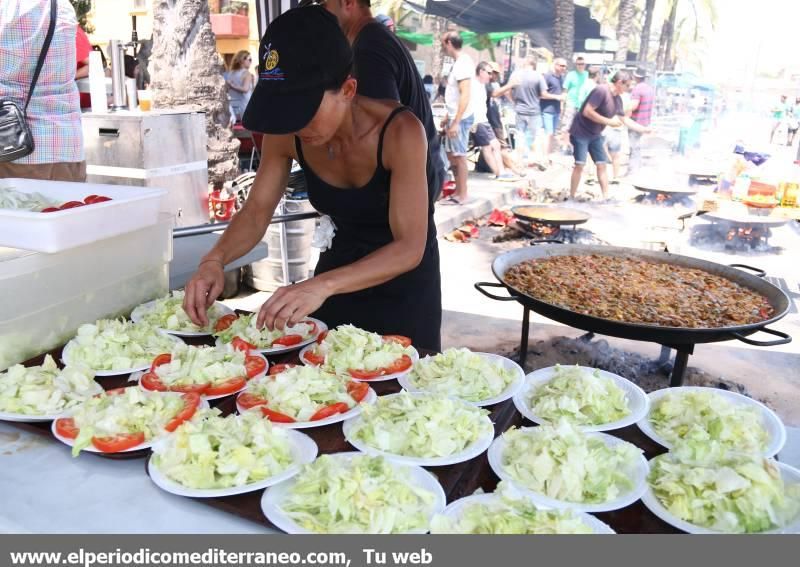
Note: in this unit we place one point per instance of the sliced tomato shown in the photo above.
(239, 343)
(159, 360)
(190, 405)
(313, 330)
(277, 416)
(151, 381)
(89, 199)
(115, 391)
(400, 339)
(357, 390)
(327, 411)
(92, 199)
(288, 340)
(365, 374)
(321, 337)
(400, 365)
(254, 365)
(247, 400)
(51, 210)
(118, 443)
(313, 358)
(190, 388)
(71, 205)
(66, 428)
(229, 386)
(278, 368)
(225, 322)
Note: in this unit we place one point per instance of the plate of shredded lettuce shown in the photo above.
(508, 511)
(298, 397)
(736, 493)
(33, 202)
(421, 429)
(212, 456)
(480, 378)
(710, 417)
(212, 372)
(362, 355)
(559, 466)
(124, 412)
(44, 392)
(353, 493)
(110, 347)
(166, 313)
(591, 399)
(269, 342)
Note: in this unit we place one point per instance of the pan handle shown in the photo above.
(480, 285)
(545, 241)
(784, 338)
(758, 271)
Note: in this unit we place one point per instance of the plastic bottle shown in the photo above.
(740, 187)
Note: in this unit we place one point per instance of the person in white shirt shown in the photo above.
(484, 134)
(459, 113)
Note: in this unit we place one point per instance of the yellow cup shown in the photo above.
(145, 100)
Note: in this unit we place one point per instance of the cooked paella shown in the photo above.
(638, 291)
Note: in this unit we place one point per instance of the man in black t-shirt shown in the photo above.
(385, 70)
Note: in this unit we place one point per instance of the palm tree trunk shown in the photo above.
(626, 13)
(187, 72)
(669, 55)
(564, 29)
(644, 44)
(666, 39)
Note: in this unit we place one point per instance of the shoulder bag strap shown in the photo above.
(42, 53)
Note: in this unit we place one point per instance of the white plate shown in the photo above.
(25, 418)
(137, 376)
(456, 509)
(354, 411)
(104, 373)
(470, 452)
(275, 495)
(138, 313)
(91, 448)
(638, 479)
(789, 475)
(511, 389)
(638, 402)
(386, 378)
(321, 328)
(303, 448)
(770, 421)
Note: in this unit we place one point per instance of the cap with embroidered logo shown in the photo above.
(302, 54)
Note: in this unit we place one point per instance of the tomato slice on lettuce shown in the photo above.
(247, 400)
(151, 381)
(366, 374)
(328, 411)
(400, 339)
(239, 343)
(65, 427)
(276, 416)
(288, 340)
(118, 443)
(224, 322)
(400, 365)
(313, 358)
(229, 386)
(190, 388)
(278, 368)
(254, 365)
(190, 404)
(160, 360)
(357, 390)
(321, 337)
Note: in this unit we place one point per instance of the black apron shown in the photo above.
(411, 303)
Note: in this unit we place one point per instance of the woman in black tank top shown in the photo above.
(364, 162)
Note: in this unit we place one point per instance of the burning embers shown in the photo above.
(738, 238)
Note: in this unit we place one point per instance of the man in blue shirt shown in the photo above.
(551, 105)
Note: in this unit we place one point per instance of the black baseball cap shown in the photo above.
(302, 54)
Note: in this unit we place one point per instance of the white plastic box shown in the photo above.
(44, 298)
(130, 208)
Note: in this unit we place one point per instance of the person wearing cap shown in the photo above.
(384, 20)
(364, 163)
(552, 99)
(642, 100)
(385, 70)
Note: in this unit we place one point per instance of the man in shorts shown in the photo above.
(552, 101)
(485, 137)
(459, 113)
(602, 108)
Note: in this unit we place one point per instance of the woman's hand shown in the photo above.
(202, 290)
(291, 304)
